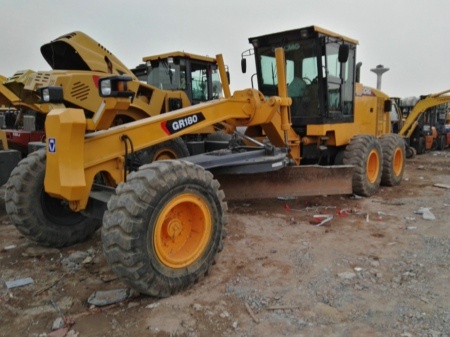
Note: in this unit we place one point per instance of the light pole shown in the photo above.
(379, 70)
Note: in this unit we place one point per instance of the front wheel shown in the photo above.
(46, 220)
(163, 228)
(364, 153)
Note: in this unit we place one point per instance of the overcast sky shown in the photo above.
(410, 37)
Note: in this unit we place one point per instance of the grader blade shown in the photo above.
(291, 181)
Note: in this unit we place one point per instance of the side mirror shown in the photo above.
(344, 50)
(244, 65)
(387, 106)
(358, 72)
(228, 77)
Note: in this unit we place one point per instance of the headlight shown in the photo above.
(45, 95)
(115, 86)
(105, 87)
(51, 94)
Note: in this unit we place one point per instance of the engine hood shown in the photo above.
(78, 51)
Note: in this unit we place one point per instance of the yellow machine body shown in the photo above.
(78, 62)
(162, 222)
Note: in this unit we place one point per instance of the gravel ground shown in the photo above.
(378, 268)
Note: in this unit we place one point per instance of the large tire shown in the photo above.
(41, 218)
(219, 136)
(163, 228)
(441, 142)
(364, 153)
(410, 152)
(220, 140)
(394, 156)
(171, 149)
(421, 147)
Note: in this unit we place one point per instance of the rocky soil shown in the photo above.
(379, 267)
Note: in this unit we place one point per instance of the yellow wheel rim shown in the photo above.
(165, 154)
(373, 166)
(398, 162)
(183, 231)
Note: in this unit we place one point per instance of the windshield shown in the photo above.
(301, 61)
(165, 75)
(302, 75)
(319, 85)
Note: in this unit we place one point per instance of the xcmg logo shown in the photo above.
(175, 125)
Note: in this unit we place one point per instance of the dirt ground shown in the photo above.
(377, 268)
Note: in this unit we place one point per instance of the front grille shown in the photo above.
(42, 79)
(80, 91)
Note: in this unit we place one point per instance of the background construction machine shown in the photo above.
(425, 127)
(194, 74)
(175, 80)
(163, 224)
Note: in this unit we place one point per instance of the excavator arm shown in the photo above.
(421, 106)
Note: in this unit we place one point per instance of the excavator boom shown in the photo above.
(421, 106)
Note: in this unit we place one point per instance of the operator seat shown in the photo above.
(297, 87)
(296, 91)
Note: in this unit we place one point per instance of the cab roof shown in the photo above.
(180, 54)
(307, 32)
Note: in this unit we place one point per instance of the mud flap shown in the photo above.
(291, 181)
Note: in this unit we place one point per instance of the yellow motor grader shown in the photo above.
(163, 223)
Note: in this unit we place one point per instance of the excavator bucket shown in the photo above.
(291, 181)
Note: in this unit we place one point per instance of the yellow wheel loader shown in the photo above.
(163, 222)
(173, 80)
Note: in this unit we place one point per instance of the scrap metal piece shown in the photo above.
(19, 283)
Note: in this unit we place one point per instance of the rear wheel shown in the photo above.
(393, 147)
(364, 153)
(163, 228)
(46, 220)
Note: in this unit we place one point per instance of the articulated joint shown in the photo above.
(307, 140)
(279, 101)
(285, 101)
